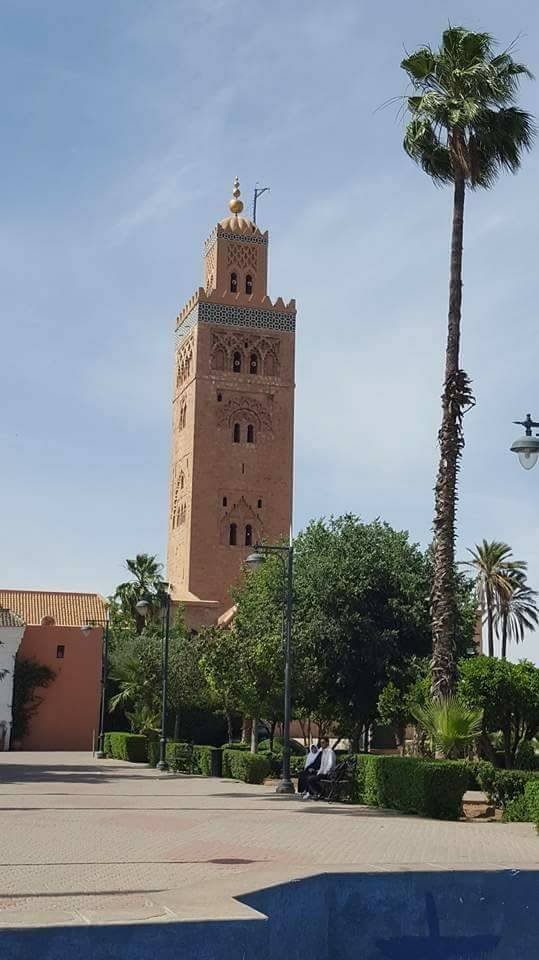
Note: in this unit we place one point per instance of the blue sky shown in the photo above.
(124, 124)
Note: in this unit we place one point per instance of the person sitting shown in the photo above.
(312, 763)
(328, 762)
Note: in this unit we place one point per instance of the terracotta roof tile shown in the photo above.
(66, 609)
(10, 619)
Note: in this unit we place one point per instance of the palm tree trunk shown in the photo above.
(504, 636)
(490, 621)
(449, 438)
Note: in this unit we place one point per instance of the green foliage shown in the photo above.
(517, 810)
(296, 748)
(508, 695)
(408, 688)
(531, 793)
(463, 119)
(449, 724)
(526, 757)
(29, 676)
(504, 786)
(249, 767)
(147, 584)
(431, 788)
(126, 746)
(497, 576)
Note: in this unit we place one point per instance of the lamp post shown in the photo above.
(253, 561)
(86, 629)
(143, 608)
(527, 446)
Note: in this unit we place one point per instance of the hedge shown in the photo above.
(433, 788)
(249, 767)
(126, 746)
(531, 795)
(504, 786)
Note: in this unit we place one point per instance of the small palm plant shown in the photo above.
(450, 725)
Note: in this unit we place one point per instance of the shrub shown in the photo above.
(526, 758)
(153, 752)
(236, 746)
(474, 770)
(531, 794)
(296, 749)
(433, 788)
(202, 759)
(249, 767)
(127, 746)
(179, 756)
(504, 786)
(516, 811)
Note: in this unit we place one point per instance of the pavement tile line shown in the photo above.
(210, 842)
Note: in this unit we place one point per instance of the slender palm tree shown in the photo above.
(517, 610)
(464, 129)
(147, 584)
(497, 576)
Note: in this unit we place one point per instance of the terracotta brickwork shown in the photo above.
(232, 421)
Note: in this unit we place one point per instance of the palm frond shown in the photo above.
(449, 723)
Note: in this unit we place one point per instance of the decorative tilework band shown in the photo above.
(218, 313)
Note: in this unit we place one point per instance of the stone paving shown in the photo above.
(87, 841)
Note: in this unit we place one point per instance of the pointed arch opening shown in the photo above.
(236, 362)
(248, 535)
(250, 433)
(233, 534)
(253, 364)
(237, 433)
(248, 284)
(233, 282)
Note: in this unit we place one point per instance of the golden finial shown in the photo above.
(235, 204)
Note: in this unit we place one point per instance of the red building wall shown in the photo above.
(69, 712)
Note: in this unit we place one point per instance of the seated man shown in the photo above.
(328, 762)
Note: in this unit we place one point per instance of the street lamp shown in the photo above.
(86, 629)
(143, 609)
(527, 447)
(253, 561)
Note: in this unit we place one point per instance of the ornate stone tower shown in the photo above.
(232, 423)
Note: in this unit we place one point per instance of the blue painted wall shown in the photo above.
(377, 916)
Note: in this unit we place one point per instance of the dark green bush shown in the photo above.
(202, 759)
(128, 746)
(531, 794)
(236, 746)
(516, 811)
(296, 749)
(474, 769)
(433, 788)
(179, 756)
(526, 758)
(249, 767)
(504, 786)
(107, 746)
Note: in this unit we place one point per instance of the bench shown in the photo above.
(339, 783)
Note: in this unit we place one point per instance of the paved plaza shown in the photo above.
(89, 841)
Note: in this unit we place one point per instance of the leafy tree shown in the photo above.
(516, 612)
(361, 607)
(407, 688)
(464, 129)
(508, 695)
(29, 676)
(496, 577)
(147, 584)
(449, 723)
(219, 658)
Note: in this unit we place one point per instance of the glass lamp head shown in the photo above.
(527, 450)
(142, 608)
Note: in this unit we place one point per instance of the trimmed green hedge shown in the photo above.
(126, 746)
(249, 767)
(433, 788)
(531, 795)
(502, 787)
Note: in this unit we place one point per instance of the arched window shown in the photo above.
(233, 282)
(237, 436)
(250, 433)
(248, 535)
(182, 481)
(253, 363)
(248, 283)
(233, 535)
(236, 362)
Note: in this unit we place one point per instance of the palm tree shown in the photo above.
(497, 576)
(148, 584)
(516, 612)
(449, 723)
(464, 130)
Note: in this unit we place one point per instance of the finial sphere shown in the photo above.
(235, 204)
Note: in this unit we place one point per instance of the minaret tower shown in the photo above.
(232, 422)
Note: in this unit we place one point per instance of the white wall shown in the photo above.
(10, 638)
